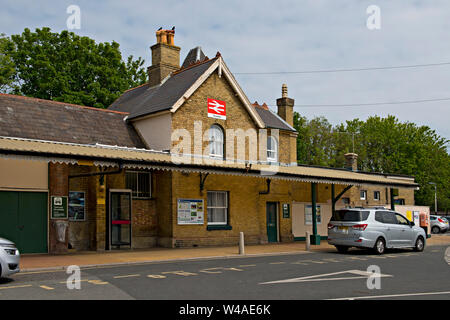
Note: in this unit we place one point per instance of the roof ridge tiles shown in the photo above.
(193, 65)
(62, 103)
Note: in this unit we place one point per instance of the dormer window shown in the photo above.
(272, 149)
(216, 141)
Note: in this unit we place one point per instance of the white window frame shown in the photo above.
(375, 193)
(363, 197)
(133, 192)
(211, 207)
(218, 144)
(273, 150)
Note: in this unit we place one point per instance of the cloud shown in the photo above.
(258, 36)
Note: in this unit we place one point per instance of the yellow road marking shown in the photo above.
(97, 282)
(14, 287)
(47, 288)
(181, 273)
(277, 262)
(357, 258)
(209, 270)
(156, 276)
(74, 281)
(331, 260)
(314, 261)
(127, 276)
(247, 265)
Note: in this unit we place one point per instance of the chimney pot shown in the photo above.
(284, 91)
(286, 106)
(351, 161)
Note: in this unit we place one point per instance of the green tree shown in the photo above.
(383, 145)
(7, 70)
(70, 68)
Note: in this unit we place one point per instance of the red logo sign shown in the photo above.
(217, 109)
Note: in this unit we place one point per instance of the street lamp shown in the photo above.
(435, 196)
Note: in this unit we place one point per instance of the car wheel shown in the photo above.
(342, 249)
(380, 246)
(420, 245)
(435, 230)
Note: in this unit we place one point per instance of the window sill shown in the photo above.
(218, 227)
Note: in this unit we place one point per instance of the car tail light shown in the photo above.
(330, 226)
(440, 220)
(360, 227)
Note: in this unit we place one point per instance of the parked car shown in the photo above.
(438, 224)
(373, 228)
(9, 258)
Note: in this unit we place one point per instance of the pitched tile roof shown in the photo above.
(145, 100)
(271, 119)
(32, 118)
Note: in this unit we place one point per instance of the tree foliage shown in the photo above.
(70, 68)
(383, 145)
(7, 70)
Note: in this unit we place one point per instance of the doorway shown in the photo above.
(119, 218)
(23, 220)
(272, 221)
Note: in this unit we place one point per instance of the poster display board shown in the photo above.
(77, 206)
(308, 214)
(190, 211)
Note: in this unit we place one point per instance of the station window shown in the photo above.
(376, 195)
(217, 207)
(272, 149)
(363, 195)
(140, 184)
(216, 142)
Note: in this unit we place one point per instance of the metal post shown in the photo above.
(307, 241)
(391, 191)
(333, 201)
(315, 236)
(435, 200)
(241, 243)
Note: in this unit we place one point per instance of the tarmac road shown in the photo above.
(405, 274)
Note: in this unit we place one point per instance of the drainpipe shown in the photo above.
(268, 187)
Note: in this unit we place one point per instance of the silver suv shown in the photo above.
(376, 228)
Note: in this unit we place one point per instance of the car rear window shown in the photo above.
(350, 215)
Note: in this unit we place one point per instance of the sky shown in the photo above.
(286, 36)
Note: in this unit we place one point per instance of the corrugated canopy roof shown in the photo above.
(133, 157)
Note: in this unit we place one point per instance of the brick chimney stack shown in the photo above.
(286, 106)
(351, 161)
(165, 57)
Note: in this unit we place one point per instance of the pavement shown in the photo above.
(41, 262)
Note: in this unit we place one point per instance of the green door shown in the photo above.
(271, 214)
(23, 220)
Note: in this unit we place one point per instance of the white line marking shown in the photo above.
(320, 277)
(395, 295)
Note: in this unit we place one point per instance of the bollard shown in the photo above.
(241, 243)
(308, 240)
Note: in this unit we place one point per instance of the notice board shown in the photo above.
(190, 211)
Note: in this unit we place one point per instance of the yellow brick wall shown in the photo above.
(247, 208)
(354, 195)
(195, 109)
